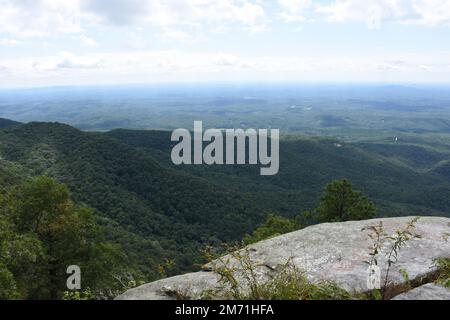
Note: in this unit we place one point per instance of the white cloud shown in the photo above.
(149, 26)
(176, 19)
(10, 42)
(39, 18)
(71, 61)
(294, 10)
(87, 41)
(65, 60)
(431, 12)
(45, 18)
(176, 65)
(374, 12)
(180, 12)
(172, 34)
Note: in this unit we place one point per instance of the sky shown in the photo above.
(88, 42)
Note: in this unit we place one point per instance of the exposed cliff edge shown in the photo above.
(330, 251)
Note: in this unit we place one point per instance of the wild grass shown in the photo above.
(241, 278)
(443, 271)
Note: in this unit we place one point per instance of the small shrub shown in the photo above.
(397, 242)
(86, 294)
(443, 268)
(241, 279)
(274, 226)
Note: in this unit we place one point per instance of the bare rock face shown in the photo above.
(329, 251)
(429, 291)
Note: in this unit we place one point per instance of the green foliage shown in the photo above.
(86, 294)
(406, 279)
(152, 211)
(18, 255)
(43, 233)
(375, 294)
(341, 203)
(398, 240)
(157, 211)
(443, 268)
(8, 286)
(166, 267)
(391, 244)
(274, 226)
(239, 280)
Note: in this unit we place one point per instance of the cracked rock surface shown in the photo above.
(429, 291)
(328, 251)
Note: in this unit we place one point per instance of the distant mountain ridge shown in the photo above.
(5, 123)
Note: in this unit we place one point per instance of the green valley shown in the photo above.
(160, 213)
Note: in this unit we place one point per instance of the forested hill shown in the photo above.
(156, 210)
(4, 123)
(401, 178)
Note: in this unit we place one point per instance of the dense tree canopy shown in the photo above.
(157, 211)
(42, 233)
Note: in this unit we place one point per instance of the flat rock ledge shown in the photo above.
(429, 291)
(329, 251)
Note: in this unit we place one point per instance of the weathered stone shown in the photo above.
(189, 285)
(428, 291)
(329, 251)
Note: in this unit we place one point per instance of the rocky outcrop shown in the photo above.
(329, 251)
(429, 291)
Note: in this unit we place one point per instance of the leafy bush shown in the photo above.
(274, 226)
(443, 267)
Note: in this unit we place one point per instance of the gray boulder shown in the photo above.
(329, 251)
(429, 291)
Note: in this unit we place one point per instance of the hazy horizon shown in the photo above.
(231, 83)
